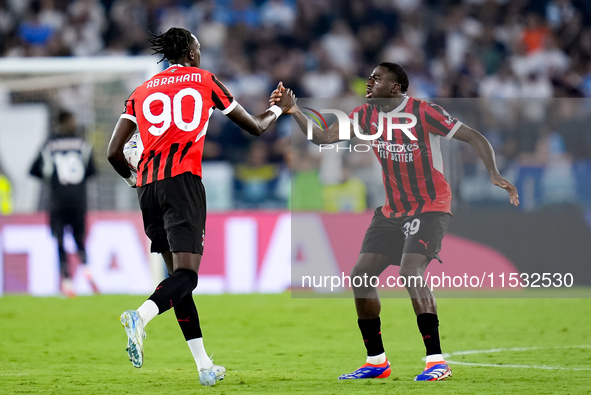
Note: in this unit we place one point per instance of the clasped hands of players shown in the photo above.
(277, 98)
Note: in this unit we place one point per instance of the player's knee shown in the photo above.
(354, 272)
(190, 275)
(410, 271)
(413, 266)
(357, 272)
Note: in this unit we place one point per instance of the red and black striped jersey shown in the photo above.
(412, 170)
(172, 111)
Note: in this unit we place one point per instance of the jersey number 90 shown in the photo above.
(172, 111)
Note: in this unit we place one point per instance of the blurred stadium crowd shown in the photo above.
(531, 51)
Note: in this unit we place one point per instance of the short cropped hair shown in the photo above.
(399, 74)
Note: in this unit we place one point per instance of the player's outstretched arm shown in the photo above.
(257, 124)
(121, 134)
(319, 135)
(486, 153)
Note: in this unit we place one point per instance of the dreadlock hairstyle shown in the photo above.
(172, 45)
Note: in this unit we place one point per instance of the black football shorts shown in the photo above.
(419, 234)
(174, 211)
(62, 216)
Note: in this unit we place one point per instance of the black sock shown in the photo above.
(171, 290)
(63, 256)
(429, 328)
(372, 336)
(187, 317)
(82, 256)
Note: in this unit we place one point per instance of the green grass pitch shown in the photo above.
(275, 344)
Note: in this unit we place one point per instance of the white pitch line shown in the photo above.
(492, 365)
(447, 356)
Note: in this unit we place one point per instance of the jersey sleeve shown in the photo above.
(438, 121)
(363, 115)
(43, 166)
(129, 110)
(221, 96)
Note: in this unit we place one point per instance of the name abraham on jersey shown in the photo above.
(194, 77)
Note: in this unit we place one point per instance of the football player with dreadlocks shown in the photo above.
(171, 110)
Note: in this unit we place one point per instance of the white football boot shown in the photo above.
(134, 328)
(208, 377)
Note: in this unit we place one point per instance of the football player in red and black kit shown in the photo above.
(407, 230)
(171, 111)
